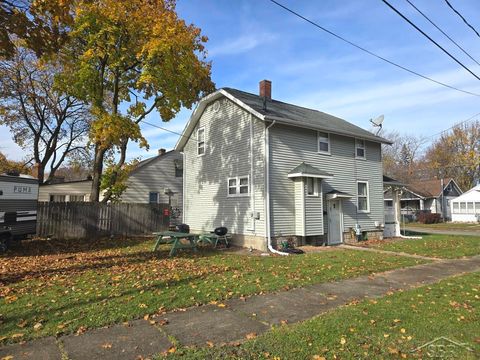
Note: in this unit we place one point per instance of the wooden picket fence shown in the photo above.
(83, 220)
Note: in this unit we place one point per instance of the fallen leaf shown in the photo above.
(318, 357)
(37, 326)
(251, 336)
(162, 322)
(402, 330)
(16, 336)
(210, 344)
(8, 357)
(343, 341)
(172, 350)
(107, 346)
(393, 350)
(221, 305)
(22, 324)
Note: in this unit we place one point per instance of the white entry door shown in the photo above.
(335, 222)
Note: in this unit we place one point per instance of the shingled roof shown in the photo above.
(303, 117)
(306, 170)
(429, 188)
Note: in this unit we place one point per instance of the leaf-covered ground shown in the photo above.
(388, 328)
(439, 246)
(49, 288)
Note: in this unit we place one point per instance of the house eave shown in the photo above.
(285, 121)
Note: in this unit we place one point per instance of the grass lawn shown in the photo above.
(386, 328)
(433, 245)
(446, 226)
(48, 288)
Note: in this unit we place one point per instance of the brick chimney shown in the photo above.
(161, 151)
(265, 89)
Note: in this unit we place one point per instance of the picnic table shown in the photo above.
(173, 237)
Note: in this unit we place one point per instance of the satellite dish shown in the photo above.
(377, 122)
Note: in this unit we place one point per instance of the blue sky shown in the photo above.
(254, 40)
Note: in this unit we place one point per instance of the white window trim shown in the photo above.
(237, 186)
(204, 141)
(329, 143)
(316, 191)
(364, 157)
(368, 197)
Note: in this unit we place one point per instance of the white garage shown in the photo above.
(466, 207)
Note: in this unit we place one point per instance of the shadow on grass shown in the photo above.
(76, 264)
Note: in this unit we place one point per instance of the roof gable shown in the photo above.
(432, 188)
(147, 162)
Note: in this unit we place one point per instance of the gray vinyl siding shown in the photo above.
(314, 213)
(289, 146)
(68, 188)
(156, 176)
(227, 154)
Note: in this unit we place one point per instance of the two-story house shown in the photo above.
(266, 170)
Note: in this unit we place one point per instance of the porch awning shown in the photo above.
(334, 194)
(305, 170)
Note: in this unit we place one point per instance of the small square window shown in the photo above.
(360, 148)
(153, 198)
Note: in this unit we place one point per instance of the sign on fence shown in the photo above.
(88, 220)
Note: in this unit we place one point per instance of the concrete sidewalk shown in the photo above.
(141, 339)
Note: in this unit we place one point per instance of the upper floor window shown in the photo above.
(178, 168)
(312, 186)
(238, 186)
(360, 148)
(363, 202)
(201, 141)
(323, 142)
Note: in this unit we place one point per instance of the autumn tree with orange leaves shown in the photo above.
(127, 59)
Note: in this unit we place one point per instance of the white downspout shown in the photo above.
(267, 192)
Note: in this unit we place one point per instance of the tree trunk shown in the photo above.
(97, 173)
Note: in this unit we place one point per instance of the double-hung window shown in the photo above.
(312, 186)
(238, 186)
(363, 203)
(359, 149)
(323, 142)
(201, 141)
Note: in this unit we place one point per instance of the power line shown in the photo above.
(443, 32)
(167, 130)
(429, 38)
(426, 139)
(461, 17)
(370, 52)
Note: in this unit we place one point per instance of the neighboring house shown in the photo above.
(267, 169)
(394, 189)
(466, 207)
(155, 180)
(427, 195)
(65, 191)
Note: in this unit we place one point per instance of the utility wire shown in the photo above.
(370, 52)
(461, 17)
(452, 127)
(167, 130)
(429, 38)
(443, 32)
